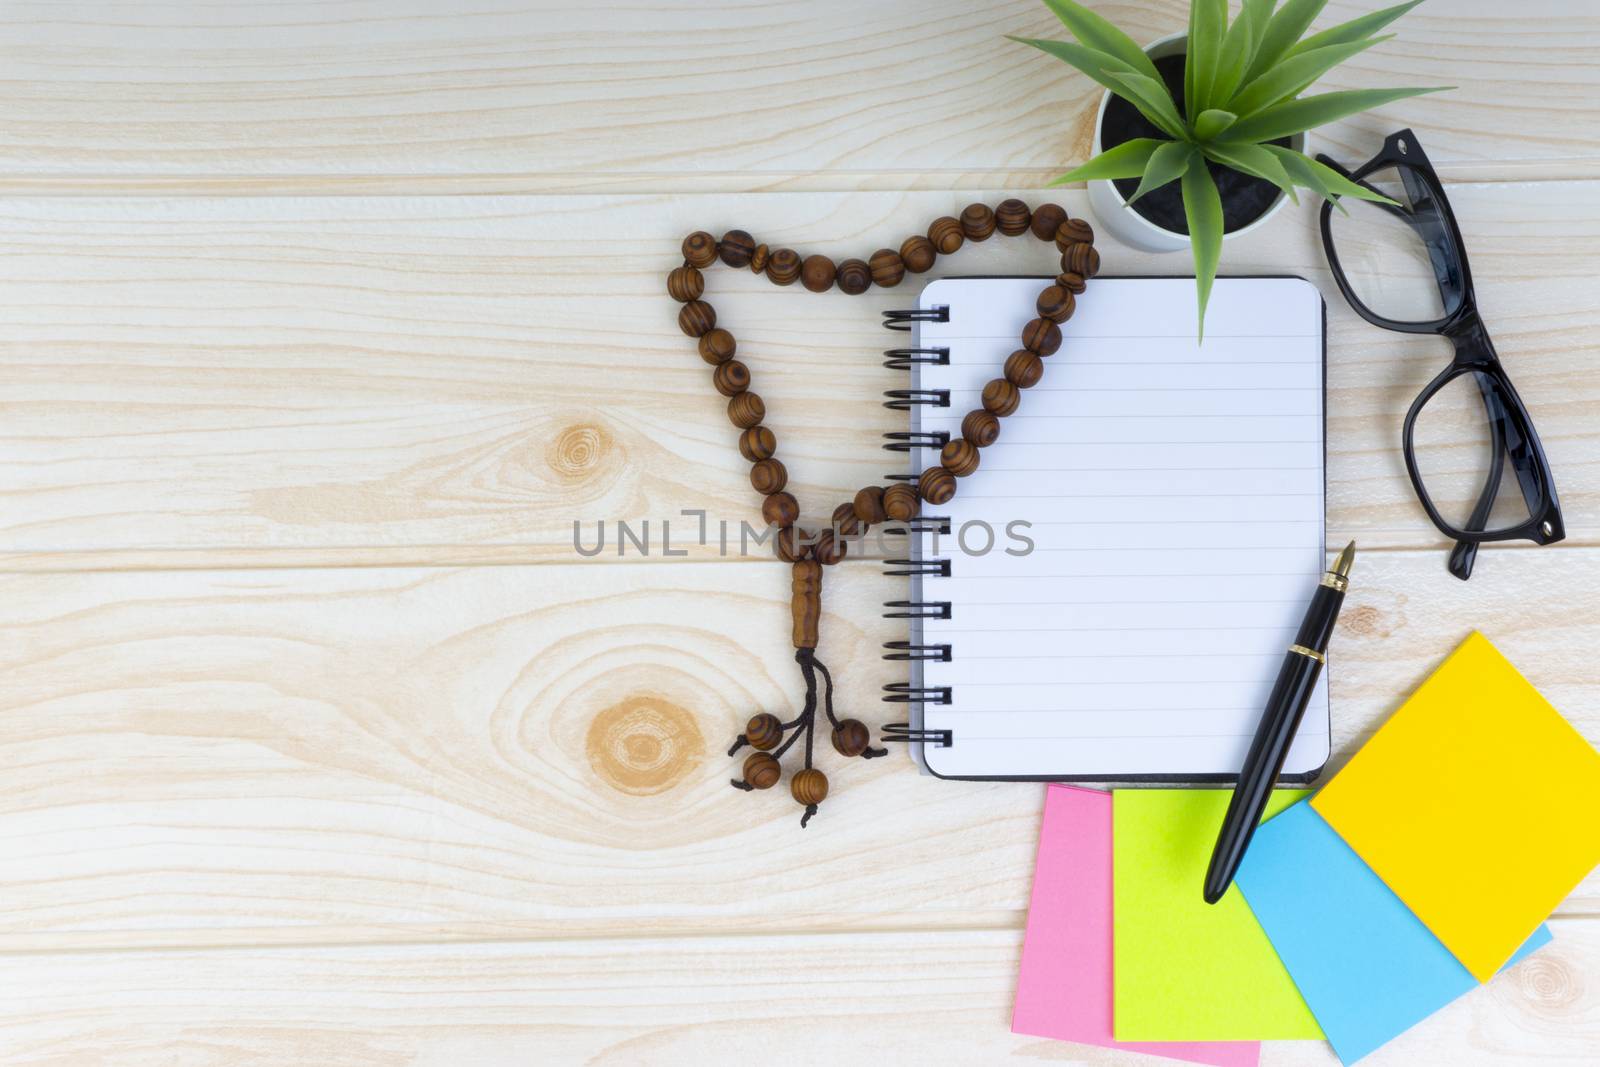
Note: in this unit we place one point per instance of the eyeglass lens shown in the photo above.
(1398, 259)
(1463, 441)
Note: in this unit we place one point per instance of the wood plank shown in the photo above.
(860, 998)
(365, 754)
(353, 381)
(547, 97)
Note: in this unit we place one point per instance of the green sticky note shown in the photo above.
(1186, 970)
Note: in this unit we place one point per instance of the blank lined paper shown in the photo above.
(1173, 497)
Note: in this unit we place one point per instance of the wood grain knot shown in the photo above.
(576, 452)
(644, 745)
(1551, 985)
(1364, 620)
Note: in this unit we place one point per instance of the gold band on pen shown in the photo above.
(1335, 581)
(1310, 653)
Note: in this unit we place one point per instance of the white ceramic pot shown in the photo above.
(1112, 212)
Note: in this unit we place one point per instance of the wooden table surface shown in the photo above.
(320, 325)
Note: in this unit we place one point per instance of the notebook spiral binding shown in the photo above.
(915, 652)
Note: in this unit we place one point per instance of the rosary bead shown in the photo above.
(746, 410)
(731, 378)
(887, 268)
(829, 549)
(768, 476)
(1082, 260)
(1000, 398)
(1046, 218)
(900, 502)
(764, 731)
(869, 505)
(757, 442)
(936, 486)
(783, 266)
(1012, 217)
(845, 521)
(977, 222)
(816, 273)
(737, 248)
(1072, 283)
(1041, 336)
(1024, 368)
(685, 283)
(945, 233)
(793, 544)
(761, 770)
(758, 259)
(697, 318)
(1055, 304)
(1073, 232)
(717, 346)
(959, 457)
(780, 509)
(854, 277)
(809, 786)
(700, 249)
(981, 427)
(918, 254)
(851, 737)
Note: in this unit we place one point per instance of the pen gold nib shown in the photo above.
(1341, 566)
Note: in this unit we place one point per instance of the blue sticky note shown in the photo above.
(1366, 966)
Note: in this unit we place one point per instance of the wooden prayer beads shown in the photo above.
(808, 553)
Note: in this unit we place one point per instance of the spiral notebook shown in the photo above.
(1109, 597)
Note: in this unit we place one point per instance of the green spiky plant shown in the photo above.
(1241, 89)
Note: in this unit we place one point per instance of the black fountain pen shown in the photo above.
(1285, 707)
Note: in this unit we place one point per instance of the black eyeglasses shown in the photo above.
(1470, 447)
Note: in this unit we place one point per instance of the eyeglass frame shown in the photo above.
(1515, 437)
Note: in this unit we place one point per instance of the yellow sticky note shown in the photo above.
(1476, 803)
(1182, 969)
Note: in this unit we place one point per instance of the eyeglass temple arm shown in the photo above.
(1465, 554)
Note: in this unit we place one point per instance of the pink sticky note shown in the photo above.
(1064, 987)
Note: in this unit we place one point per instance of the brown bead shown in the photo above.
(1024, 368)
(731, 378)
(1041, 336)
(761, 770)
(805, 602)
(887, 268)
(757, 443)
(700, 249)
(936, 486)
(717, 346)
(1046, 217)
(959, 457)
(758, 259)
(1000, 397)
(854, 277)
(1072, 283)
(1012, 217)
(869, 505)
(918, 254)
(768, 476)
(945, 233)
(829, 549)
(764, 731)
(783, 266)
(816, 273)
(793, 544)
(685, 283)
(1055, 304)
(851, 737)
(809, 786)
(1082, 260)
(780, 509)
(737, 247)
(697, 318)
(1073, 232)
(746, 410)
(845, 521)
(977, 222)
(981, 427)
(900, 502)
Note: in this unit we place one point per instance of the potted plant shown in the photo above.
(1217, 110)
